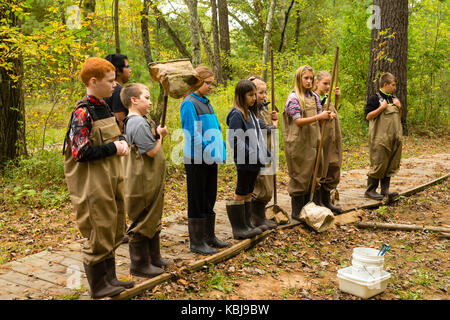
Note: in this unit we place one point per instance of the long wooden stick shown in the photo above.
(400, 226)
(316, 169)
(272, 79)
(336, 98)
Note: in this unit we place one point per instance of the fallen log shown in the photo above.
(404, 227)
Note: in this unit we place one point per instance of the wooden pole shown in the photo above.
(316, 169)
(272, 81)
(404, 227)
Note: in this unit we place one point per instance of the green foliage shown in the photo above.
(36, 181)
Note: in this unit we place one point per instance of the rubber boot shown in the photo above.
(98, 281)
(259, 215)
(249, 216)
(210, 236)
(385, 183)
(155, 252)
(326, 201)
(297, 203)
(112, 278)
(372, 185)
(317, 199)
(141, 263)
(197, 237)
(236, 215)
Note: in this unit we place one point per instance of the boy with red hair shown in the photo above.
(94, 178)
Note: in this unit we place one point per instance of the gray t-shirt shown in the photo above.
(138, 132)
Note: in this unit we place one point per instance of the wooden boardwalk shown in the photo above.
(59, 274)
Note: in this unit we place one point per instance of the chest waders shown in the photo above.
(96, 190)
(301, 144)
(385, 143)
(385, 149)
(263, 190)
(332, 160)
(144, 191)
(144, 203)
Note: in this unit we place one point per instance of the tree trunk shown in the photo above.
(89, 12)
(215, 31)
(160, 18)
(145, 34)
(283, 31)
(206, 45)
(267, 32)
(195, 38)
(224, 34)
(389, 49)
(297, 26)
(12, 106)
(116, 25)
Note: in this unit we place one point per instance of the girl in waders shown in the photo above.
(332, 143)
(94, 177)
(145, 170)
(263, 191)
(301, 133)
(383, 111)
(250, 155)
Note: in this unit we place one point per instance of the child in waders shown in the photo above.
(145, 171)
(95, 178)
(263, 191)
(204, 149)
(332, 143)
(383, 111)
(249, 153)
(301, 133)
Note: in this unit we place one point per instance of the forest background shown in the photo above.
(45, 42)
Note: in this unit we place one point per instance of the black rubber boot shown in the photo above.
(236, 215)
(112, 278)
(372, 185)
(326, 201)
(317, 199)
(297, 203)
(259, 215)
(98, 281)
(197, 237)
(249, 217)
(385, 183)
(141, 263)
(210, 236)
(155, 252)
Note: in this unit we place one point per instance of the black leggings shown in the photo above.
(201, 189)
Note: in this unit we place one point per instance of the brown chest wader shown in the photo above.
(144, 192)
(332, 153)
(300, 146)
(385, 143)
(263, 190)
(97, 194)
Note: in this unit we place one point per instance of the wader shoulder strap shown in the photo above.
(92, 113)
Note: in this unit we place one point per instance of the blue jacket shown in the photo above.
(249, 147)
(202, 131)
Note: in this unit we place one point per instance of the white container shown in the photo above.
(367, 257)
(363, 285)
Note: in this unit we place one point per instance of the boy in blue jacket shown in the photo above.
(204, 148)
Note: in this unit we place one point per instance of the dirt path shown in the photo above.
(275, 263)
